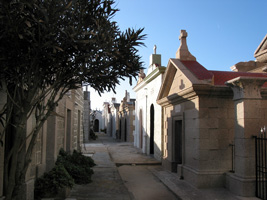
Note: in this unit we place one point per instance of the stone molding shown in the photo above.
(154, 74)
(261, 52)
(246, 87)
(193, 92)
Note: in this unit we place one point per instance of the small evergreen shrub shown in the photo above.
(103, 130)
(80, 159)
(77, 165)
(69, 169)
(50, 183)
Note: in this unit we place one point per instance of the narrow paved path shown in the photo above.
(122, 173)
(143, 184)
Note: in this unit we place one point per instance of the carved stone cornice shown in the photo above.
(246, 87)
(197, 90)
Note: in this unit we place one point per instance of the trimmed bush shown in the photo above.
(77, 165)
(50, 184)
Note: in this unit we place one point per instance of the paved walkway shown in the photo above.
(123, 172)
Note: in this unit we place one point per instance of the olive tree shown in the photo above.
(49, 47)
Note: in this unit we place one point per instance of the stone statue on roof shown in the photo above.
(155, 49)
(141, 76)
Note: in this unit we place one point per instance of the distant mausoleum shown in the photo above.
(126, 118)
(148, 132)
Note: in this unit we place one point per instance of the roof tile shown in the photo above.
(219, 77)
(197, 69)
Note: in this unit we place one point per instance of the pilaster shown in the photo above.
(247, 102)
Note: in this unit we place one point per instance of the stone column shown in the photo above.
(247, 99)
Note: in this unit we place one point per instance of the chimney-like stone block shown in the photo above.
(155, 59)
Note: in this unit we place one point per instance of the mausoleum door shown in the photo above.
(96, 125)
(152, 129)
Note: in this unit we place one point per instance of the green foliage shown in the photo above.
(92, 135)
(77, 165)
(43, 42)
(104, 130)
(50, 183)
(49, 47)
(69, 169)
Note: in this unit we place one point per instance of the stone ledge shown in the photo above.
(240, 186)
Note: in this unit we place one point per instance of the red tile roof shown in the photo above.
(197, 69)
(219, 77)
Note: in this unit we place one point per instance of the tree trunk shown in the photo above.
(14, 157)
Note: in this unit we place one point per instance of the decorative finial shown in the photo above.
(155, 49)
(183, 52)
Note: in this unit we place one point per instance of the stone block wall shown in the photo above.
(60, 124)
(216, 126)
(78, 119)
(208, 132)
(52, 137)
(140, 106)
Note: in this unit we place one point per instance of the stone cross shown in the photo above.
(183, 52)
(183, 34)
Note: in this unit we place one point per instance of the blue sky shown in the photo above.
(220, 33)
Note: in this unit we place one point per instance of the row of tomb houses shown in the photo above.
(67, 128)
(199, 123)
(116, 119)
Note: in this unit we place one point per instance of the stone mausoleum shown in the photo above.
(209, 118)
(148, 124)
(125, 119)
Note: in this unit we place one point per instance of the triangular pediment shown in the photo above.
(177, 78)
(261, 52)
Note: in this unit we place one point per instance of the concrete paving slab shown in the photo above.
(126, 153)
(102, 159)
(106, 184)
(143, 184)
(106, 181)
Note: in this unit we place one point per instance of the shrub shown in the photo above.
(103, 130)
(77, 165)
(80, 159)
(50, 183)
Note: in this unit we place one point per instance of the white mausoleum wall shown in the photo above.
(146, 96)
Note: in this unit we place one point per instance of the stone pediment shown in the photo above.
(181, 75)
(261, 52)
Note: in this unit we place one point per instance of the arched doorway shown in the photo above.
(152, 129)
(125, 130)
(96, 125)
(141, 129)
(120, 130)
